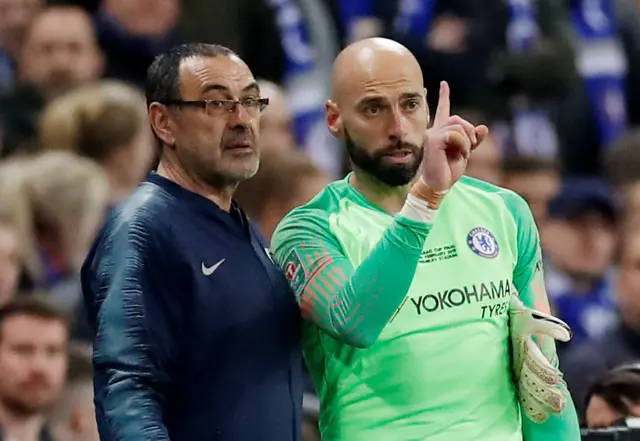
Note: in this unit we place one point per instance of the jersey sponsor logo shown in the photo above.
(485, 294)
(293, 271)
(483, 243)
(438, 254)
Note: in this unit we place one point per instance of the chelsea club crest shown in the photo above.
(483, 243)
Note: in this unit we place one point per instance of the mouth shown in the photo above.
(400, 155)
(239, 148)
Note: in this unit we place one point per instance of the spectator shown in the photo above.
(622, 161)
(73, 418)
(580, 241)
(604, 99)
(55, 201)
(105, 122)
(33, 363)
(285, 180)
(15, 19)
(60, 53)
(632, 205)
(536, 179)
(619, 345)
(9, 264)
(132, 32)
(485, 162)
(276, 125)
(613, 397)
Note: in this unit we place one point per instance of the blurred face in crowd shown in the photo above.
(304, 191)
(9, 264)
(484, 163)
(379, 108)
(628, 289)
(107, 122)
(144, 18)
(60, 52)
(130, 163)
(632, 205)
(15, 18)
(217, 144)
(276, 126)
(582, 246)
(33, 363)
(142, 153)
(600, 414)
(537, 188)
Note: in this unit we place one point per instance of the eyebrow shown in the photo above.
(380, 99)
(371, 100)
(408, 95)
(221, 88)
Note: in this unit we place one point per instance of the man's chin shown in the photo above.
(233, 177)
(52, 92)
(395, 179)
(396, 175)
(391, 171)
(27, 407)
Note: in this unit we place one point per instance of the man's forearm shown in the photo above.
(356, 304)
(133, 347)
(132, 408)
(129, 383)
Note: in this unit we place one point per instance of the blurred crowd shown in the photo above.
(557, 81)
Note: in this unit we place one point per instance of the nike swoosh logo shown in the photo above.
(207, 271)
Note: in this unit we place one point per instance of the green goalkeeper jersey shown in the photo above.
(406, 324)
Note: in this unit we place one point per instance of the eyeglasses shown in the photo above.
(253, 106)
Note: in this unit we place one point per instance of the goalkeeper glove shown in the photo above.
(539, 384)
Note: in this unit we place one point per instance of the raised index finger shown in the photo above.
(444, 106)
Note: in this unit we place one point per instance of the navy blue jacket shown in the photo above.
(197, 331)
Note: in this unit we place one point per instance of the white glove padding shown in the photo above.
(541, 389)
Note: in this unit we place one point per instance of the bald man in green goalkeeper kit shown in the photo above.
(422, 290)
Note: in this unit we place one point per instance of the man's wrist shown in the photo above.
(418, 210)
(425, 193)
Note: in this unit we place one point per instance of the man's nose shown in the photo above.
(39, 363)
(395, 128)
(239, 116)
(62, 59)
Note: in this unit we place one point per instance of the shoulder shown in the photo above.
(150, 209)
(317, 211)
(502, 197)
(146, 202)
(140, 222)
(510, 198)
(313, 218)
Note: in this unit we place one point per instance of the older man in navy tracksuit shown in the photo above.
(196, 328)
